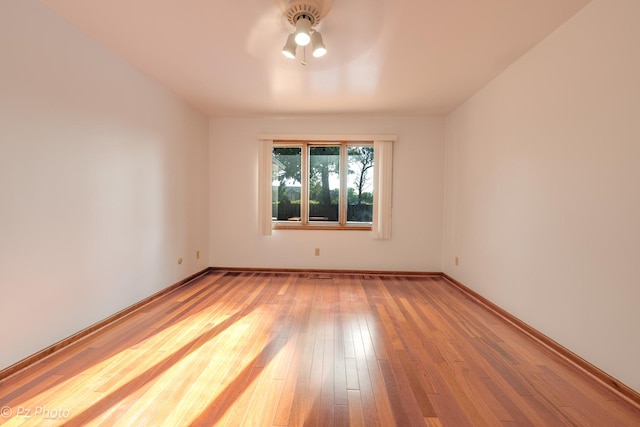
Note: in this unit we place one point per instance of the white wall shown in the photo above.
(416, 242)
(103, 182)
(542, 188)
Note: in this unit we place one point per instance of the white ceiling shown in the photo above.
(385, 56)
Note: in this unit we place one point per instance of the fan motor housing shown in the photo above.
(314, 10)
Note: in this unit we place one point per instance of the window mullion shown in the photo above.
(304, 175)
(342, 213)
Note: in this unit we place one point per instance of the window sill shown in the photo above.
(288, 226)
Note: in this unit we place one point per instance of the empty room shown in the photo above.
(320, 212)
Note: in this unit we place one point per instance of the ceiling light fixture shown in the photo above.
(318, 45)
(289, 49)
(303, 30)
(304, 15)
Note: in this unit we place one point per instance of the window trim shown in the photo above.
(383, 147)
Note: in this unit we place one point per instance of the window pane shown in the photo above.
(360, 184)
(324, 183)
(287, 163)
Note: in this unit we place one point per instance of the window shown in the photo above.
(325, 182)
(322, 184)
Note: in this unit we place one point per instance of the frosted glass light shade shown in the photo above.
(318, 45)
(289, 49)
(303, 32)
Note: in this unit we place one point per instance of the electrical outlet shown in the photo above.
(317, 252)
(179, 260)
(457, 261)
(197, 254)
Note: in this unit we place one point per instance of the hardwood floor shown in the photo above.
(294, 349)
